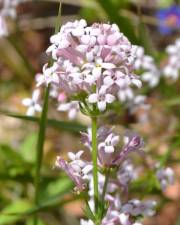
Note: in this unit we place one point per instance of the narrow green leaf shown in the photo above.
(62, 125)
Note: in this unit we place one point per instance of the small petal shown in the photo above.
(27, 102)
(110, 98)
(71, 156)
(97, 72)
(101, 105)
(35, 95)
(30, 111)
(109, 149)
(64, 107)
(108, 65)
(93, 98)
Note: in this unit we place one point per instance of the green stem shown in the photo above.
(41, 135)
(105, 185)
(40, 146)
(94, 159)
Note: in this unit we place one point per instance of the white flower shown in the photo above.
(135, 207)
(124, 219)
(3, 27)
(71, 107)
(83, 77)
(171, 70)
(32, 103)
(151, 73)
(76, 159)
(101, 98)
(48, 76)
(110, 142)
(127, 173)
(142, 61)
(151, 76)
(165, 177)
(86, 222)
(125, 93)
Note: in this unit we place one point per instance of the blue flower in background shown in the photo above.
(169, 19)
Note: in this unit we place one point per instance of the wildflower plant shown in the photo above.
(90, 69)
(93, 66)
(94, 69)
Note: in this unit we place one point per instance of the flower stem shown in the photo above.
(41, 134)
(40, 145)
(94, 159)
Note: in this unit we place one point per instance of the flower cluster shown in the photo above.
(122, 214)
(151, 74)
(94, 60)
(76, 169)
(172, 68)
(113, 156)
(92, 67)
(7, 9)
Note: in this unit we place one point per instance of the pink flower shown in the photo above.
(76, 169)
(71, 107)
(101, 98)
(89, 58)
(110, 142)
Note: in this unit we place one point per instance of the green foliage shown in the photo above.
(57, 124)
(14, 211)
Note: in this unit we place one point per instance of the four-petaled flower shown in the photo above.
(32, 103)
(101, 97)
(110, 142)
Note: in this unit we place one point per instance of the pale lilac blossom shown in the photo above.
(71, 107)
(135, 207)
(48, 76)
(3, 27)
(32, 103)
(97, 60)
(110, 142)
(171, 70)
(86, 222)
(151, 74)
(102, 98)
(76, 169)
(7, 10)
(165, 177)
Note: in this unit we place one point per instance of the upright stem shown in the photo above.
(94, 159)
(40, 146)
(42, 131)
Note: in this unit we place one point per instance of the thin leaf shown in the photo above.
(62, 125)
